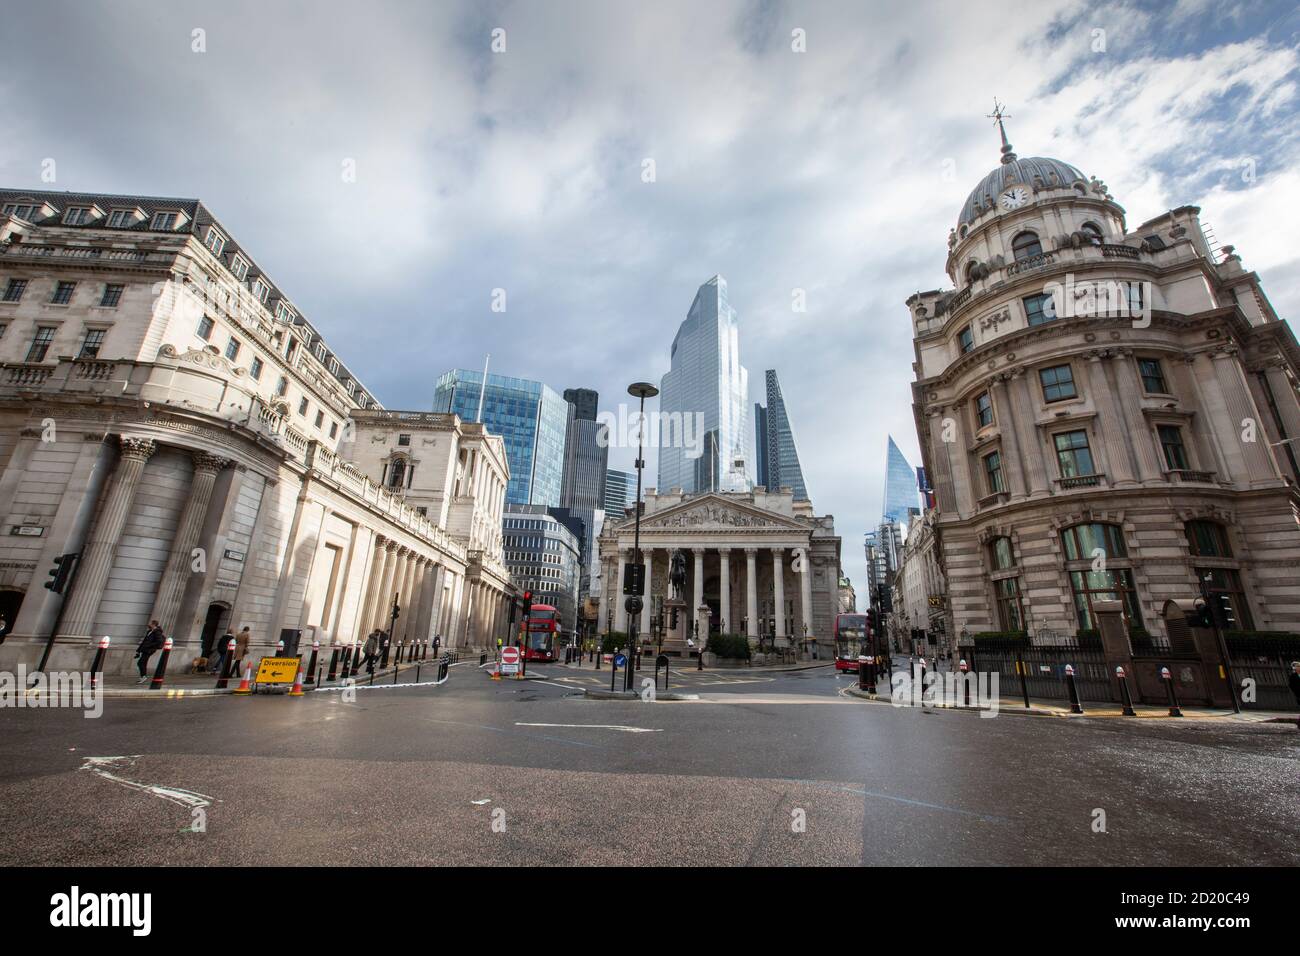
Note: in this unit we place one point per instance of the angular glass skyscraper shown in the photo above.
(705, 442)
(778, 459)
(901, 491)
(531, 418)
(620, 492)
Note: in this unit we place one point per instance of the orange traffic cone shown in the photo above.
(243, 687)
(496, 673)
(297, 685)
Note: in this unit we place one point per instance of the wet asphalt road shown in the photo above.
(780, 770)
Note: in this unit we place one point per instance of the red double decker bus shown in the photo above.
(852, 639)
(542, 629)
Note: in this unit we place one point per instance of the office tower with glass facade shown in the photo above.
(543, 552)
(620, 492)
(778, 459)
(586, 459)
(760, 444)
(705, 443)
(901, 491)
(531, 417)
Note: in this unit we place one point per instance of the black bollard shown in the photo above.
(383, 654)
(158, 674)
(1075, 706)
(1123, 692)
(699, 660)
(311, 665)
(356, 657)
(1024, 682)
(613, 669)
(99, 659)
(965, 683)
(1168, 678)
(226, 666)
(334, 665)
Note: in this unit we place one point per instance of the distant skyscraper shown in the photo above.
(707, 388)
(586, 459)
(760, 445)
(620, 492)
(530, 416)
(778, 459)
(901, 492)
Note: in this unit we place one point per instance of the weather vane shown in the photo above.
(998, 115)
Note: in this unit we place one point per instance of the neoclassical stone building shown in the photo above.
(1106, 413)
(169, 415)
(760, 561)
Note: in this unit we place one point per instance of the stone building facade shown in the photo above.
(1106, 413)
(760, 561)
(919, 598)
(168, 415)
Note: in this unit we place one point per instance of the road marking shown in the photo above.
(622, 727)
(186, 798)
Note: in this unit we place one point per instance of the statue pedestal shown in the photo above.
(675, 638)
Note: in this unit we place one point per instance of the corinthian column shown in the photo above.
(751, 593)
(365, 622)
(1119, 465)
(699, 583)
(179, 563)
(724, 586)
(778, 594)
(384, 604)
(97, 561)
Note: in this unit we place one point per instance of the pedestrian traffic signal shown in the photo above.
(61, 573)
(528, 604)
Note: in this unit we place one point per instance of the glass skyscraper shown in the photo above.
(530, 416)
(620, 492)
(778, 459)
(705, 442)
(901, 492)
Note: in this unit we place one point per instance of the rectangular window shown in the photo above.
(261, 290)
(1073, 454)
(232, 349)
(1112, 585)
(302, 408)
(283, 387)
(1008, 595)
(15, 289)
(1153, 376)
(1227, 598)
(984, 409)
(255, 369)
(93, 342)
(239, 267)
(205, 328)
(76, 216)
(1057, 382)
(1039, 308)
(993, 472)
(1207, 539)
(163, 222)
(284, 313)
(112, 296)
(334, 429)
(63, 293)
(320, 419)
(121, 218)
(1171, 443)
(215, 241)
(966, 340)
(41, 343)
(404, 440)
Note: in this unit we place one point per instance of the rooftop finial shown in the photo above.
(998, 115)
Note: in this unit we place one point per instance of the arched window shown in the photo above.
(1093, 232)
(397, 473)
(970, 272)
(1025, 245)
(1099, 570)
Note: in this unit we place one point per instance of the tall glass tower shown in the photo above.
(778, 457)
(530, 416)
(901, 490)
(705, 443)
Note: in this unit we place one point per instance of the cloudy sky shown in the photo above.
(838, 170)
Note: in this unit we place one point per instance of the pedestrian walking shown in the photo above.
(242, 642)
(152, 642)
(222, 652)
(4, 628)
(370, 651)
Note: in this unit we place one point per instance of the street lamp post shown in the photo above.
(641, 391)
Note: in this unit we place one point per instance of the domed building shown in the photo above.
(1106, 413)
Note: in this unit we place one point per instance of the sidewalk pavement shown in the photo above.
(1045, 707)
(689, 664)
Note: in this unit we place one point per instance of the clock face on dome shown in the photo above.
(1014, 198)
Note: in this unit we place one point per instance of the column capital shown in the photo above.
(698, 552)
(208, 462)
(751, 552)
(391, 546)
(138, 449)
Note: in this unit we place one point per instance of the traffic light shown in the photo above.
(61, 573)
(674, 624)
(528, 604)
(634, 580)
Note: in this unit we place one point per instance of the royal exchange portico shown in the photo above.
(760, 562)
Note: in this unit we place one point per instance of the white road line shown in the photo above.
(625, 729)
(186, 798)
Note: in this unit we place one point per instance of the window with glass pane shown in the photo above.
(1227, 598)
(1115, 584)
(1136, 298)
(1026, 245)
(93, 342)
(163, 221)
(1057, 382)
(255, 368)
(1081, 540)
(1073, 454)
(396, 473)
(1039, 308)
(232, 349)
(282, 387)
(966, 339)
(1208, 539)
(205, 328)
(1000, 553)
(112, 296)
(302, 408)
(1092, 231)
(15, 289)
(1007, 591)
(63, 293)
(984, 409)
(1153, 376)
(993, 472)
(1171, 443)
(41, 343)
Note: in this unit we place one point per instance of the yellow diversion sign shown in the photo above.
(277, 670)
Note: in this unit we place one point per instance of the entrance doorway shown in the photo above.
(10, 603)
(214, 626)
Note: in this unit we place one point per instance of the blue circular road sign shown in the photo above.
(620, 660)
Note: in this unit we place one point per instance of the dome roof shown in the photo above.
(1031, 172)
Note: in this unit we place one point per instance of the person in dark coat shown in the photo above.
(1294, 680)
(153, 641)
(370, 652)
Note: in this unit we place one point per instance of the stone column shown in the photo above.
(724, 586)
(643, 622)
(1139, 429)
(180, 562)
(751, 594)
(1261, 467)
(699, 586)
(1031, 448)
(384, 609)
(97, 561)
(959, 461)
(373, 581)
(415, 600)
(805, 593)
(406, 587)
(1284, 396)
(778, 595)
(616, 594)
(1012, 460)
(1119, 464)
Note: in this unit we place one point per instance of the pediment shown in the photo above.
(714, 512)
